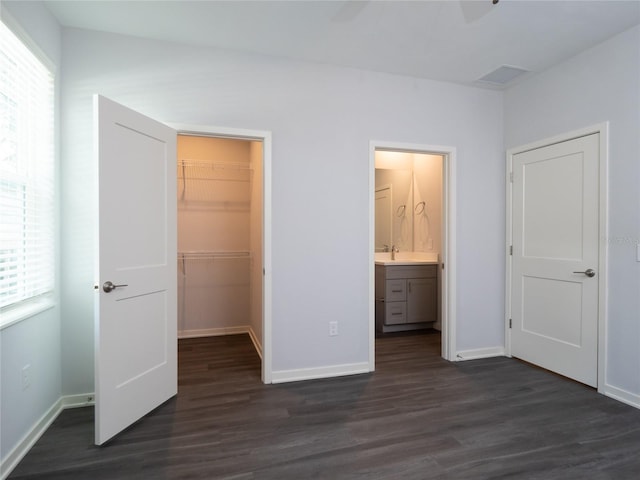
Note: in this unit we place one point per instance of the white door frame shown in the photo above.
(448, 273)
(265, 138)
(603, 130)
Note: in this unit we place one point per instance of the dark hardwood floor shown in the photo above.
(416, 417)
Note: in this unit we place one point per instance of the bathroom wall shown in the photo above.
(214, 197)
(427, 188)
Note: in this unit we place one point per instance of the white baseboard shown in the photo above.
(30, 438)
(283, 376)
(213, 332)
(37, 430)
(621, 395)
(80, 400)
(256, 342)
(479, 353)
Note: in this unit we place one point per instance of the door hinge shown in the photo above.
(511, 177)
(510, 249)
(510, 323)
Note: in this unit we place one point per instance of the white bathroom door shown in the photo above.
(555, 241)
(383, 219)
(136, 311)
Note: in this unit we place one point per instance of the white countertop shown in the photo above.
(406, 258)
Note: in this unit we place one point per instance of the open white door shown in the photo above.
(556, 257)
(136, 306)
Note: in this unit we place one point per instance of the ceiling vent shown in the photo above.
(503, 75)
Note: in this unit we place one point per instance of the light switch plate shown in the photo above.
(637, 252)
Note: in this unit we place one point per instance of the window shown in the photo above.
(27, 195)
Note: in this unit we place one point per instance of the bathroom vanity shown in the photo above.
(406, 292)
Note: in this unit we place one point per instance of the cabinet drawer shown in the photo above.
(396, 313)
(408, 271)
(396, 290)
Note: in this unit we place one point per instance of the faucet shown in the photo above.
(394, 250)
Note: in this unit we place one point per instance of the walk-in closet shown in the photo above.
(219, 237)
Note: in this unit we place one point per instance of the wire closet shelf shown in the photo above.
(210, 255)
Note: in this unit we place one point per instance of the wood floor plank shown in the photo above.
(416, 417)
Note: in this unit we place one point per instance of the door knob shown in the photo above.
(589, 272)
(109, 286)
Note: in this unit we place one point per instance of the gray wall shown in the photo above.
(322, 119)
(601, 84)
(36, 340)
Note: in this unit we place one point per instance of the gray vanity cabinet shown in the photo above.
(406, 297)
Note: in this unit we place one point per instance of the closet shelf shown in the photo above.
(209, 255)
(202, 255)
(185, 163)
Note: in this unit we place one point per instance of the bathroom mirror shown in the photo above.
(408, 201)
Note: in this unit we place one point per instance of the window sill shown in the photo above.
(15, 315)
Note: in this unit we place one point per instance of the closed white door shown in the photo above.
(383, 219)
(136, 306)
(555, 241)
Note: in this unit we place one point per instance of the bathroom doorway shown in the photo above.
(415, 185)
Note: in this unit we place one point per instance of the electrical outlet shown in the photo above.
(26, 376)
(333, 329)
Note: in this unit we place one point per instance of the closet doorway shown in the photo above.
(222, 259)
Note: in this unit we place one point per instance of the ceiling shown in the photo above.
(456, 41)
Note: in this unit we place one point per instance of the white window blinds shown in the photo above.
(27, 197)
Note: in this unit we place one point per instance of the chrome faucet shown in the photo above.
(394, 250)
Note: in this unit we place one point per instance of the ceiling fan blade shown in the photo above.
(349, 11)
(474, 10)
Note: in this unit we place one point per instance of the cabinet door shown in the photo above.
(395, 313)
(422, 300)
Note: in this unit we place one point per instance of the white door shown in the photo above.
(555, 239)
(383, 235)
(136, 319)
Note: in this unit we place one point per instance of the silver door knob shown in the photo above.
(109, 286)
(589, 272)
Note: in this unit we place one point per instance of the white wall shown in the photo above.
(36, 340)
(601, 84)
(322, 119)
